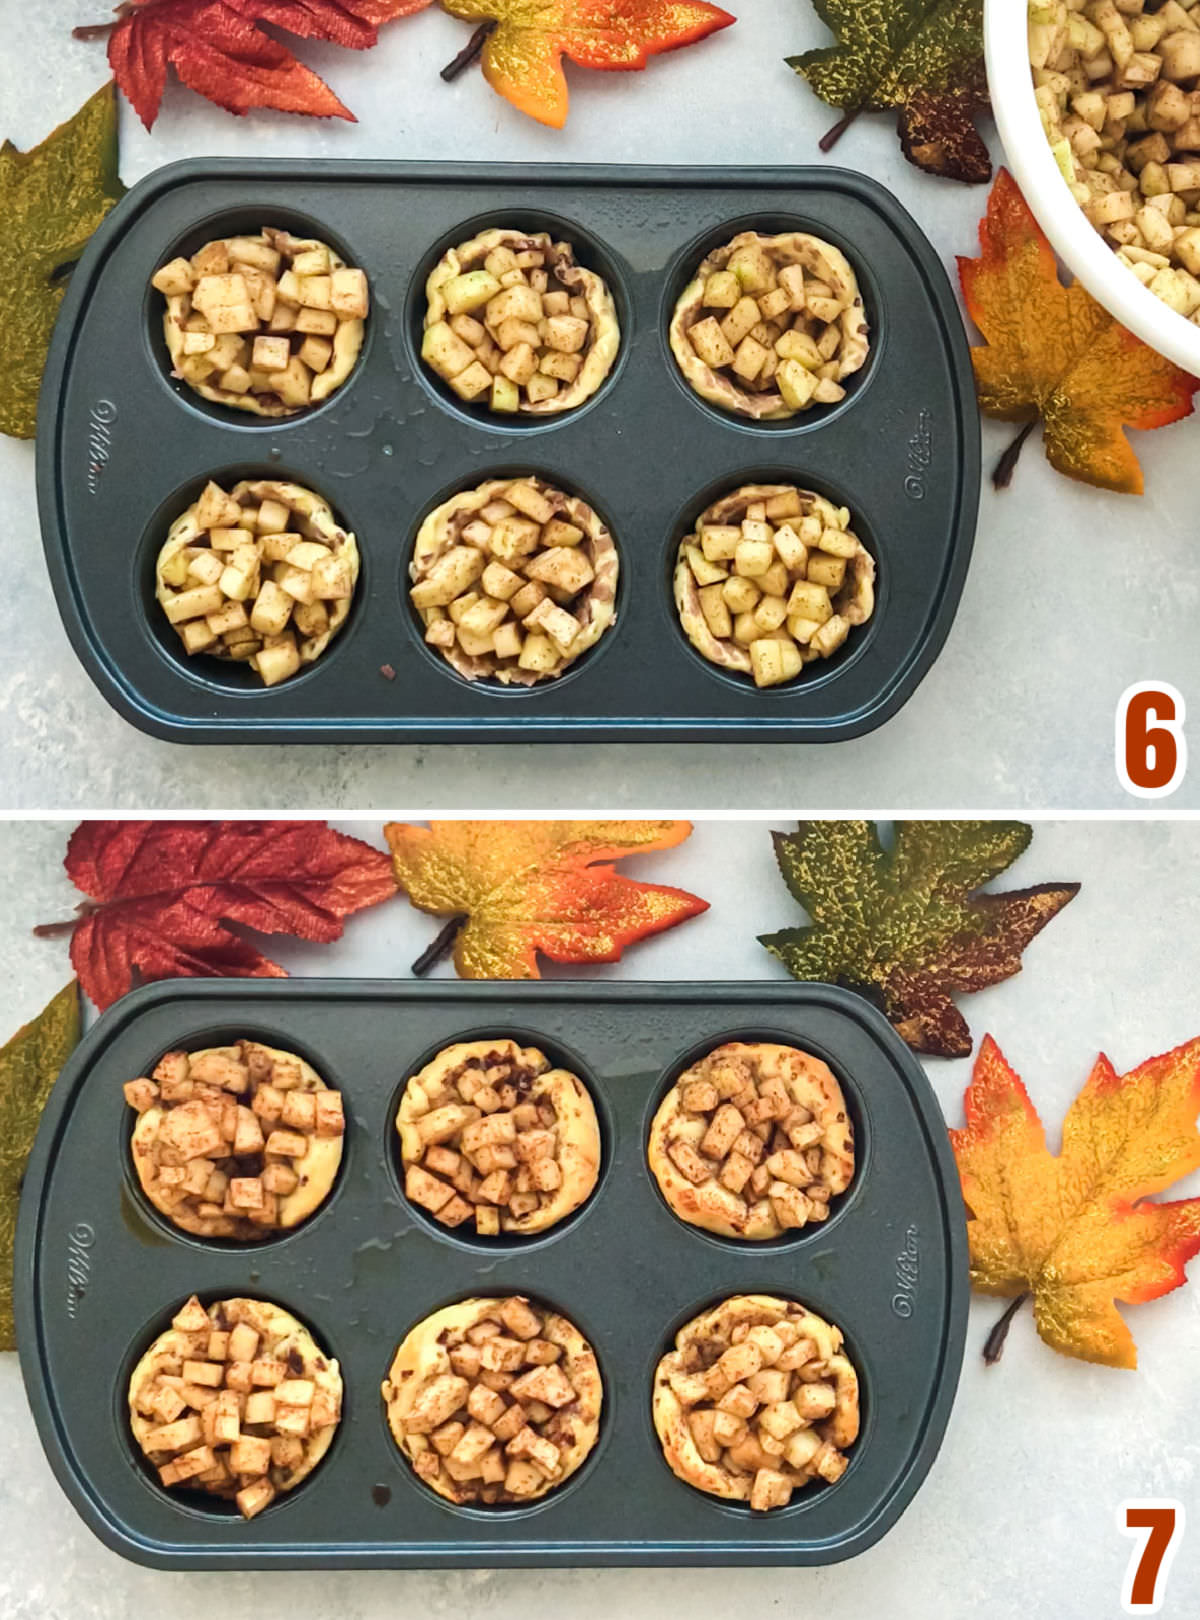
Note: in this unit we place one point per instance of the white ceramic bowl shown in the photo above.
(1033, 167)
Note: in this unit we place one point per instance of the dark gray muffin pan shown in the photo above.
(99, 1273)
(123, 449)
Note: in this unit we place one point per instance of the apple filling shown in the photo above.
(235, 1400)
(514, 580)
(492, 1134)
(752, 1141)
(513, 323)
(235, 1141)
(494, 1400)
(263, 575)
(772, 578)
(269, 324)
(771, 326)
(756, 1400)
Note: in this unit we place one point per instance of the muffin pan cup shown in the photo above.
(98, 1274)
(123, 449)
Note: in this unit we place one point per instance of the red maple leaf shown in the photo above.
(218, 49)
(162, 896)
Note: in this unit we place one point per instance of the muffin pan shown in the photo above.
(99, 1274)
(123, 449)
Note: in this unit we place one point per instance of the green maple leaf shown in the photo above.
(29, 1066)
(922, 57)
(51, 200)
(907, 927)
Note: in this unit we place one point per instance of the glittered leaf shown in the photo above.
(908, 927)
(218, 48)
(1076, 1231)
(1053, 352)
(29, 1066)
(51, 199)
(922, 57)
(530, 886)
(166, 897)
(522, 58)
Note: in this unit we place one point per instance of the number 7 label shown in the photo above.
(1158, 1525)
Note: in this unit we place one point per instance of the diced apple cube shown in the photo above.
(810, 601)
(349, 294)
(505, 395)
(711, 344)
(174, 279)
(519, 303)
(796, 384)
(507, 641)
(540, 388)
(519, 363)
(472, 382)
(722, 290)
(197, 603)
(277, 661)
(270, 353)
(716, 611)
(470, 291)
(538, 653)
(211, 260)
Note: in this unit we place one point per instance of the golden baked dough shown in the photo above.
(812, 582)
(494, 1400)
(756, 1400)
(281, 615)
(511, 536)
(477, 349)
(235, 1399)
(490, 1132)
(820, 327)
(314, 321)
(199, 1175)
(752, 1140)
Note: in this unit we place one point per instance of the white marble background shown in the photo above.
(1016, 1520)
(1073, 594)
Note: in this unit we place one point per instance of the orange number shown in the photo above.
(1160, 1523)
(1151, 749)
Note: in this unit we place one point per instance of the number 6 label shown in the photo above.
(1158, 1525)
(1151, 749)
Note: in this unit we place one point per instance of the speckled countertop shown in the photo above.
(1072, 595)
(1016, 1520)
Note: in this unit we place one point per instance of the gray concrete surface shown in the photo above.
(1072, 596)
(1017, 1518)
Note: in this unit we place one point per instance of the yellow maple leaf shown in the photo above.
(1075, 1230)
(530, 886)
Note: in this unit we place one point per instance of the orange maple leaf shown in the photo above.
(1075, 1231)
(1053, 352)
(530, 886)
(522, 58)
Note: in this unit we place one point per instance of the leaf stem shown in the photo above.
(832, 136)
(471, 51)
(56, 930)
(993, 1345)
(440, 947)
(1007, 465)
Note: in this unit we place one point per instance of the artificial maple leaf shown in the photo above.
(522, 56)
(51, 199)
(1053, 352)
(164, 896)
(29, 1066)
(1074, 1230)
(907, 927)
(520, 887)
(926, 60)
(218, 49)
